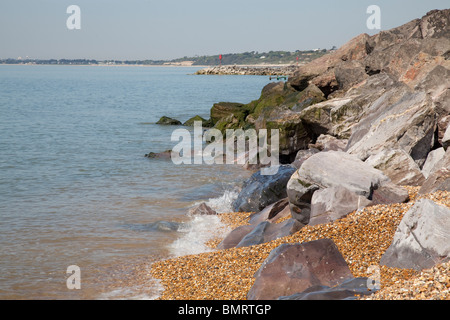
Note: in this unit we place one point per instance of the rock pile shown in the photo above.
(246, 70)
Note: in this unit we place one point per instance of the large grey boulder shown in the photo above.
(293, 268)
(259, 190)
(330, 169)
(398, 165)
(422, 239)
(399, 119)
(333, 203)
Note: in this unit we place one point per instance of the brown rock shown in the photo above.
(389, 193)
(292, 268)
(202, 209)
(270, 212)
(235, 236)
(267, 231)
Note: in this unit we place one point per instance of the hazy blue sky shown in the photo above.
(150, 29)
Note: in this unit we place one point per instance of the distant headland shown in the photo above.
(246, 58)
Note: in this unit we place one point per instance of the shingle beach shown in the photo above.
(362, 238)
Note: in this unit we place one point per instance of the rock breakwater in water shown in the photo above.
(249, 70)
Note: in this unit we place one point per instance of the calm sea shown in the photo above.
(75, 187)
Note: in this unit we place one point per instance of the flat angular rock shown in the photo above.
(389, 193)
(349, 290)
(269, 212)
(433, 159)
(439, 178)
(259, 190)
(293, 268)
(267, 231)
(422, 239)
(398, 165)
(333, 203)
(235, 236)
(202, 209)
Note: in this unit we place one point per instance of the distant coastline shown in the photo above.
(105, 65)
(246, 59)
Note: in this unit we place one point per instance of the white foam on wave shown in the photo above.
(196, 233)
(224, 203)
(203, 228)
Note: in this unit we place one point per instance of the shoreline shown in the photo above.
(228, 274)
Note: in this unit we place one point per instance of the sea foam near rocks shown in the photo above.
(195, 233)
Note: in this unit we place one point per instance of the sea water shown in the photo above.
(75, 187)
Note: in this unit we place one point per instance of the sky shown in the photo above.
(169, 29)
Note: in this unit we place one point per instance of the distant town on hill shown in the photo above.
(246, 58)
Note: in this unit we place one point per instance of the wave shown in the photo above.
(196, 233)
(224, 203)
